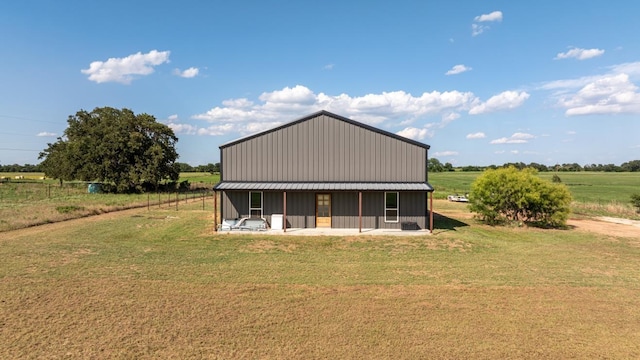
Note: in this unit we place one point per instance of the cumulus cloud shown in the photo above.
(609, 95)
(458, 69)
(124, 70)
(415, 133)
(188, 73)
(516, 138)
(503, 101)
(493, 16)
(46, 134)
(394, 111)
(388, 107)
(580, 54)
(478, 27)
(478, 135)
(613, 92)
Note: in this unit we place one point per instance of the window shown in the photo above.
(391, 207)
(255, 204)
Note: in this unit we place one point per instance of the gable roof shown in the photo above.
(332, 115)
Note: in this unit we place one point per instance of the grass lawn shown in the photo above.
(160, 284)
(594, 193)
(32, 201)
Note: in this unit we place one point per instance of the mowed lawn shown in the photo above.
(160, 284)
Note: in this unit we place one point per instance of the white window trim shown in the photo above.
(251, 209)
(397, 208)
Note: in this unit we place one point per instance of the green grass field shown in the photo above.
(160, 284)
(594, 193)
(33, 201)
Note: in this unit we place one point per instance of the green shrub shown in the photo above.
(509, 195)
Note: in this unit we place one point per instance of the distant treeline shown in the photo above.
(434, 165)
(631, 166)
(184, 167)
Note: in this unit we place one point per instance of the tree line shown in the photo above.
(184, 167)
(630, 166)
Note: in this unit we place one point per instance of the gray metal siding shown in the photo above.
(301, 209)
(325, 149)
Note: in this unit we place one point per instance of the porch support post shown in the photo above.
(284, 211)
(431, 212)
(215, 210)
(359, 211)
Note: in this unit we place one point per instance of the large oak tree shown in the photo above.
(113, 146)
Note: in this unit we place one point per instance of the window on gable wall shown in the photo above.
(391, 207)
(255, 204)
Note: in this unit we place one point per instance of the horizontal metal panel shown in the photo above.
(314, 186)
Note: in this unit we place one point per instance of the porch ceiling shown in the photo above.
(322, 186)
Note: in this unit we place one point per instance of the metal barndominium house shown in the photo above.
(325, 170)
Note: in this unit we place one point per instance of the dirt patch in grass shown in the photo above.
(607, 227)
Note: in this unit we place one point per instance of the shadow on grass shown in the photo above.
(443, 223)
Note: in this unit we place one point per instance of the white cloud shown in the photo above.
(478, 135)
(328, 67)
(580, 54)
(173, 117)
(445, 153)
(494, 16)
(502, 101)
(46, 134)
(609, 95)
(613, 92)
(515, 151)
(389, 110)
(458, 69)
(571, 132)
(388, 107)
(477, 29)
(124, 70)
(183, 128)
(414, 133)
(516, 138)
(188, 73)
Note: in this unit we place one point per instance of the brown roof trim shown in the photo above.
(330, 114)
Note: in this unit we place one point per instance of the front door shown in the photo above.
(323, 210)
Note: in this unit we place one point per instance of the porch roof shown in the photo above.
(323, 186)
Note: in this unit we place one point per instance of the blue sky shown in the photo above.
(482, 82)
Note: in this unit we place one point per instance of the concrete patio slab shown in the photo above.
(332, 232)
